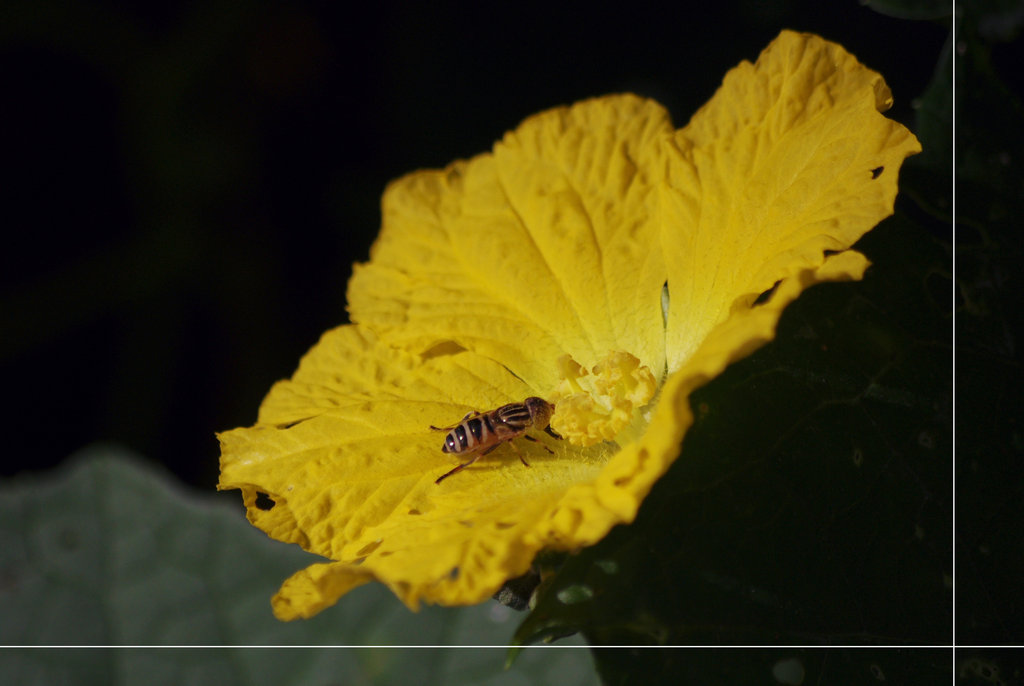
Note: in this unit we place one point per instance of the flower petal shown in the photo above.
(538, 249)
(790, 159)
(346, 464)
(315, 588)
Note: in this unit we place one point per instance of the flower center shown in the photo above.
(599, 405)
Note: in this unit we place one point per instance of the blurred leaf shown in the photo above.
(988, 145)
(911, 9)
(995, 20)
(928, 177)
(812, 500)
(110, 553)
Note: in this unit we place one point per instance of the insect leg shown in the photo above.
(531, 438)
(551, 432)
(458, 468)
(521, 458)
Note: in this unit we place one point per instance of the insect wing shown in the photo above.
(514, 416)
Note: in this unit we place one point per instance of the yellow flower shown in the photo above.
(598, 258)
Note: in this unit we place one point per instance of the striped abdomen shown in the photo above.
(485, 431)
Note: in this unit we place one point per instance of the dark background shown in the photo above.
(189, 183)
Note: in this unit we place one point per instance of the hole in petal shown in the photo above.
(288, 425)
(369, 548)
(264, 502)
(414, 511)
(441, 349)
(876, 172)
(767, 295)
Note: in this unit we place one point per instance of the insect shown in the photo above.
(481, 432)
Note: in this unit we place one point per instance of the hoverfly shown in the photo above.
(481, 432)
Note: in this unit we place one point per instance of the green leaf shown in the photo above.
(928, 177)
(988, 142)
(812, 499)
(108, 552)
(994, 20)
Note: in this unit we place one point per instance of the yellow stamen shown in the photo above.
(599, 405)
